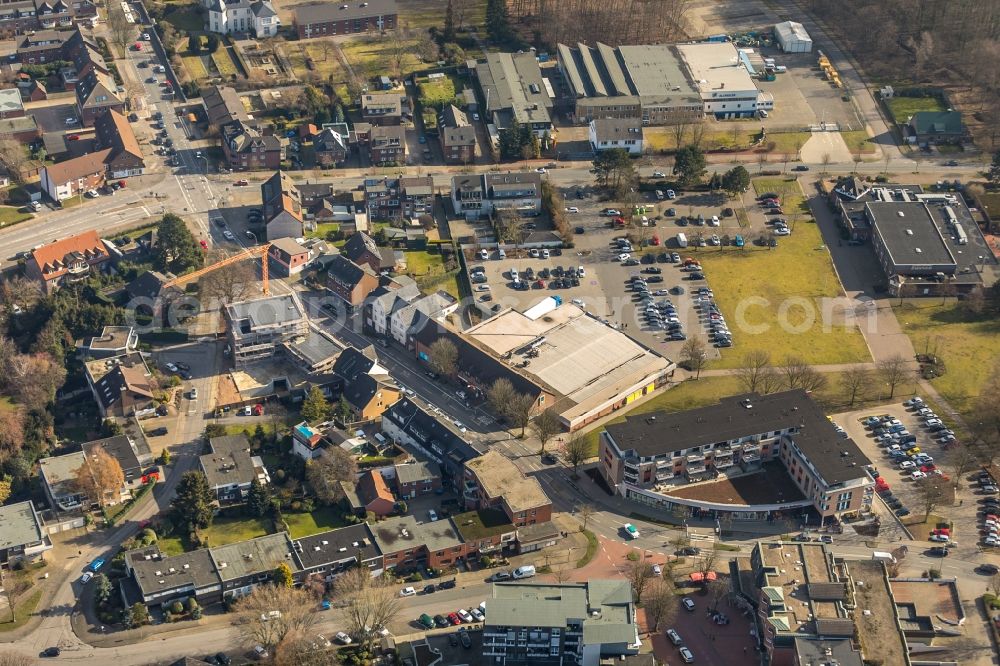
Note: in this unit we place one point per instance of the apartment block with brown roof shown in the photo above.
(248, 146)
(66, 260)
(387, 145)
(492, 481)
(73, 177)
(114, 132)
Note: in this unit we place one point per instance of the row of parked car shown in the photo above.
(990, 525)
(712, 318)
(461, 616)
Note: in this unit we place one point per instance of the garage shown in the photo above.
(792, 37)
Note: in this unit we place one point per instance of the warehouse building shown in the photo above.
(724, 80)
(646, 82)
(792, 37)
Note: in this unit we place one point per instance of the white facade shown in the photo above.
(723, 81)
(633, 144)
(792, 37)
(258, 18)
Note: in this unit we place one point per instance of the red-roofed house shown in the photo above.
(66, 260)
(73, 177)
(375, 494)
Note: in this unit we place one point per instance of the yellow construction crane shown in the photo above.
(248, 253)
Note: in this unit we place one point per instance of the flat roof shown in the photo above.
(404, 532)
(340, 11)
(273, 310)
(716, 68)
(19, 525)
(154, 572)
(336, 546)
(909, 233)
(59, 472)
(771, 485)
(657, 72)
(514, 82)
(499, 477)
(316, 347)
(10, 100)
(230, 462)
(254, 556)
(835, 458)
(582, 359)
(603, 607)
(482, 524)
(877, 627)
(793, 570)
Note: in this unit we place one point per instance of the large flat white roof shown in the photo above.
(716, 68)
(584, 360)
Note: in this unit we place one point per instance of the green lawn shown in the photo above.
(437, 92)
(422, 262)
(323, 519)
(967, 346)
(774, 297)
(184, 18)
(904, 107)
(224, 63)
(11, 215)
(170, 545)
(195, 67)
(371, 56)
(224, 531)
(22, 612)
(323, 229)
(788, 142)
(858, 141)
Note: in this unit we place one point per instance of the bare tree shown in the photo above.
(755, 365)
(259, 626)
(508, 225)
(932, 491)
(961, 460)
(325, 47)
(697, 134)
(546, 425)
(228, 284)
(694, 355)
(298, 649)
(893, 371)
(679, 129)
(13, 157)
(800, 375)
(995, 584)
(370, 603)
(518, 411)
(707, 563)
(121, 30)
(443, 357)
(639, 574)
(825, 160)
(100, 478)
(19, 290)
(679, 542)
(500, 394)
(717, 590)
(326, 473)
(576, 450)
(856, 384)
(660, 603)
(586, 512)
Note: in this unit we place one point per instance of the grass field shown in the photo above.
(904, 107)
(224, 63)
(184, 18)
(11, 215)
(422, 262)
(967, 346)
(373, 56)
(788, 142)
(858, 141)
(773, 297)
(663, 138)
(303, 524)
(23, 612)
(223, 531)
(437, 92)
(195, 67)
(428, 13)
(323, 229)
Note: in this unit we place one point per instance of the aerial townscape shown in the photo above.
(499, 333)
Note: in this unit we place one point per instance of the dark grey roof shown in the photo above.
(358, 244)
(417, 471)
(340, 11)
(617, 129)
(909, 233)
(230, 462)
(336, 546)
(262, 9)
(515, 85)
(147, 284)
(19, 525)
(826, 591)
(158, 573)
(827, 651)
(223, 105)
(346, 271)
(119, 448)
(431, 433)
(836, 459)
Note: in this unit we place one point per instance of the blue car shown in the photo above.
(96, 564)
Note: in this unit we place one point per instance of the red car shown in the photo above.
(927, 469)
(73, 137)
(204, 244)
(454, 619)
(242, 181)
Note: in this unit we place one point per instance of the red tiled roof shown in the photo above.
(50, 257)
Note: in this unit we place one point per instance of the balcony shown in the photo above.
(695, 467)
(665, 475)
(724, 461)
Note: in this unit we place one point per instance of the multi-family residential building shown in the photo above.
(349, 282)
(492, 481)
(72, 177)
(364, 384)
(113, 341)
(223, 106)
(407, 543)
(22, 535)
(457, 136)
(514, 90)
(336, 551)
(255, 17)
(243, 565)
(330, 19)
(398, 198)
(623, 133)
(331, 148)
(66, 260)
(383, 302)
(282, 206)
(480, 195)
(387, 146)
(407, 423)
(648, 459)
(256, 328)
(569, 623)
(249, 146)
(59, 473)
(231, 469)
(288, 256)
(115, 133)
(408, 318)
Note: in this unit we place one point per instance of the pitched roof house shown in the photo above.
(65, 180)
(230, 469)
(96, 93)
(350, 282)
(283, 207)
(122, 385)
(248, 146)
(364, 251)
(66, 260)
(375, 494)
(365, 385)
(223, 106)
(330, 147)
(115, 133)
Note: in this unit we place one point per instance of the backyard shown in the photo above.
(774, 297)
(223, 530)
(375, 56)
(322, 519)
(966, 344)
(10, 215)
(904, 107)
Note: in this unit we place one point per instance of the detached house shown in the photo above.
(365, 385)
(22, 534)
(457, 136)
(122, 386)
(624, 133)
(247, 146)
(382, 108)
(283, 208)
(375, 494)
(256, 17)
(115, 133)
(230, 469)
(66, 260)
(331, 148)
(288, 257)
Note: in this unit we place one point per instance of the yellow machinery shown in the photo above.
(248, 253)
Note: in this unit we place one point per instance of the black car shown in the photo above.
(548, 459)
(158, 432)
(690, 550)
(671, 212)
(441, 621)
(938, 551)
(988, 569)
(800, 167)
(652, 269)
(682, 221)
(579, 230)
(648, 259)
(429, 589)
(184, 374)
(463, 636)
(656, 278)
(223, 658)
(447, 584)
(902, 512)
(182, 366)
(696, 276)
(453, 640)
(51, 652)
(663, 258)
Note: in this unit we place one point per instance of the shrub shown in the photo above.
(191, 604)
(168, 617)
(177, 607)
(196, 614)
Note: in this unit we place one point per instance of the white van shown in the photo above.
(380, 438)
(526, 571)
(501, 254)
(659, 195)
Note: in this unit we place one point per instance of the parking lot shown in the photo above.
(708, 641)
(606, 286)
(901, 472)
